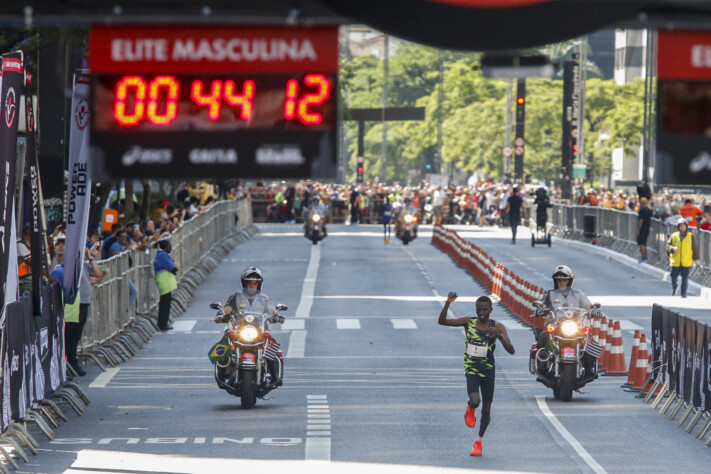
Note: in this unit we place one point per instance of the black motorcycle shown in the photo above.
(244, 370)
(406, 229)
(561, 364)
(315, 227)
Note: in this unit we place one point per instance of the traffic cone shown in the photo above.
(616, 361)
(603, 343)
(633, 360)
(640, 373)
(608, 343)
(596, 330)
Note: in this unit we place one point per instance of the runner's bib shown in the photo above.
(477, 349)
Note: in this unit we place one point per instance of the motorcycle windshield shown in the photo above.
(565, 312)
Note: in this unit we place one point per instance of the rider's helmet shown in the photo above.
(681, 221)
(315, 200)
(252, 274)
(562, 272)
(408, 200)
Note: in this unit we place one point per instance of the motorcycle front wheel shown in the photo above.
(249, 389)
(567, 382)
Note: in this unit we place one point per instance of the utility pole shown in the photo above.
(583, 49)
(440, 111)
(509, 120)
(384, 144)
(648, 103)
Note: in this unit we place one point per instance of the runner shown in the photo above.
(479, 367)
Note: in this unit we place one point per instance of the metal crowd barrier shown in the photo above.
(617, 230)
(338, 212)
(110, 312)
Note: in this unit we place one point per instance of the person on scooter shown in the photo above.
(563, 295)
(252, 300)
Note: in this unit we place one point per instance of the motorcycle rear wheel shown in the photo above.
(249, 389)
(567, 382)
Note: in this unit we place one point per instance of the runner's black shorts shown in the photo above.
(474, 382)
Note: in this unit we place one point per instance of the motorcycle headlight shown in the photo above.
(249, 334)
(569, 328)
(408, 218)
(315, 218)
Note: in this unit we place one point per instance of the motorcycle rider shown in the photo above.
(406, 208)
(563, 295)
(315, 206)
(252, 300)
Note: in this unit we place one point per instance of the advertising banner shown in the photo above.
(699, 373)
(16, 357)
(706, 393)
(78, 186)
(688, 356)
(670, 350)
(13, 81)
(658, 343)
(32, 187)
(680, 354)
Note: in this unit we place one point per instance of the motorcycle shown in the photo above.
(243, 369)
(316, 229)
(407, 228)
(559, 365)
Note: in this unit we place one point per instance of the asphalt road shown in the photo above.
(372, 382)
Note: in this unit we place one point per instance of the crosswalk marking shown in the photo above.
(292, 324)
(184, 325)
(347, 323)
(403, 323)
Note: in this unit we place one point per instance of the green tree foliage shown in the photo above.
(474, 111)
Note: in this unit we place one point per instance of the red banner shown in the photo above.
(684, 55)
(218, 49)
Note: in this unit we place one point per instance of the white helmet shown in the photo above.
(252, 274)
(562, 272)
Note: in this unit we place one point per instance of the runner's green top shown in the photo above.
(478, 341)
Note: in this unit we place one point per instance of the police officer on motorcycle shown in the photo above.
(314, 206)
(252, 300)
(563, 295)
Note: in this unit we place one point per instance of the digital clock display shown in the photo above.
(170, 103)
(195, 101)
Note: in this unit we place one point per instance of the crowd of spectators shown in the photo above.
(482, 203)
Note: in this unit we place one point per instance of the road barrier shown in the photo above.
(680, 364)
(34, 370)
(617, 230)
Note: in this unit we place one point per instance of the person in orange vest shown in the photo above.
(689, 211)
(24, 260)
(683, 253)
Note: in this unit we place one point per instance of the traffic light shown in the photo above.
(428, 166)
(521, 100)
(360, 174)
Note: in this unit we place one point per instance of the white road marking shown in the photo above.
(184, 325)
(692, 302)
(292, 324)
(209, 332)
(540, 399)
(347, 323)
(464, 299)
(318, 432)
(104, 378)
(297, 344)
(403, 323)
(307, 291)
(627, 325)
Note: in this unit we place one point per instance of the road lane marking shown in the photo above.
(418, 298)
(184, 325)
(347, 323)
(307, 291)
(627, 325)
(403, 324)
(297, 344)
(540, 399)
(104, 378)
(318, 432)
(292, 324)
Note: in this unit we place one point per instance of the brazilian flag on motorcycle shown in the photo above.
(221, 350)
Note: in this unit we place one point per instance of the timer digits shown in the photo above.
(138, 102)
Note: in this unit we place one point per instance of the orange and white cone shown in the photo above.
(603, 343)
(596, 330)
(633, 360)
(640, 373)
(608, 343)
(616, 360)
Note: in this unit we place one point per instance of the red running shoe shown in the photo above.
(476, 450)
(470, 417)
